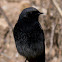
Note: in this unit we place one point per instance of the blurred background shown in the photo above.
(51, 23)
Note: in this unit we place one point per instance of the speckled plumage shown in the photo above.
(29, 36)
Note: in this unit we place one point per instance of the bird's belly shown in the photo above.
(31, 51)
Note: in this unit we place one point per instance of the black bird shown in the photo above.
(29, 36)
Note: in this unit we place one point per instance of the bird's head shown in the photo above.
(30, 13)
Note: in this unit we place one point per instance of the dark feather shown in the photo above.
(29, 36)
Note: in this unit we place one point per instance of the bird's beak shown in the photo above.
(40, 13)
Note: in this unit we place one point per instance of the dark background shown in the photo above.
(51, 23)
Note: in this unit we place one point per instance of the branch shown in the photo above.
(52, 36)
(6, 55)
(57, 6)
(7, 20)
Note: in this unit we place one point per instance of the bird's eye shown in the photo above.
(34, 12)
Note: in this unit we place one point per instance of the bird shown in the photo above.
(29, 35)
